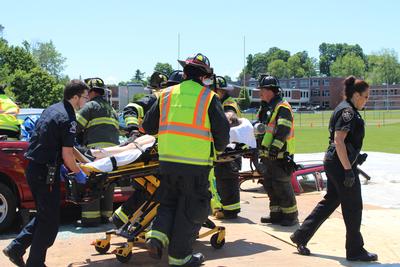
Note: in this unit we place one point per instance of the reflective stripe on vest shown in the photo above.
(184, 132)
(230, 102)
(268, 139)
(103, 120)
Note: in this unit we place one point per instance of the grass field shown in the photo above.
(382, 131)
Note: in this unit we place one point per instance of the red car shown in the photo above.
(15, 194)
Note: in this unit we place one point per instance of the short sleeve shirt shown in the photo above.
(56, 128)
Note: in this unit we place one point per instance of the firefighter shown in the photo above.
(99, 126)
(191, 128)
(133, 114)
(346, 134)
(9, 124)
(276, 152)
(227, 173)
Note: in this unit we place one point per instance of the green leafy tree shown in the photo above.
(330, 52)
(244, 99)
(278, 68)
(384, 67)
(165, 68)
(350, 64)
(36, 88)
(295, 67)
(228, 78)
(1, 31)
(48, 57)
(137, 96)
(16, 58)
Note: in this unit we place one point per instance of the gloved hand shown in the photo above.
(349, 178)
(63, 172)
(81, 177)
(273, 153)
(361, 158)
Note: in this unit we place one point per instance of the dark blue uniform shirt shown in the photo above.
(56, 128)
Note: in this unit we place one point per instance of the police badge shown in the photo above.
(347, 114)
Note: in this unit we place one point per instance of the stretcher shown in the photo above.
(139, 166)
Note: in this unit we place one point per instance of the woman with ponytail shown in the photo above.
(346, 134)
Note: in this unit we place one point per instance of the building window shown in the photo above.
(315, 93)
(326, 93)
(315, 82)
(304, 83)
(326, 82)
(293, 84)
(325, 103)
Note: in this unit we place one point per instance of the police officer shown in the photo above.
(51, 144)
(98, 123)
(134, 112)
(346, 134)
(190, 122)
(227, 173)
(9, 124)
(277, 149)
(133, 115)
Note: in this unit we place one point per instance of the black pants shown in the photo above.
(351, 202)
(126, 210)
(42, 230)
(277, 184)
(184, 207)
(227, 178)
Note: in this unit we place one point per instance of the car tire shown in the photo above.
(8, 207)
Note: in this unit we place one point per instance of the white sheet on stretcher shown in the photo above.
(123, 158)
(243, 133)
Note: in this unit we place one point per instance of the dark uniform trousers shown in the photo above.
(227, 178)
(184, 206)
(42, 230)
(277, 184)
(134, 202)
(99, 210)
(351, 202)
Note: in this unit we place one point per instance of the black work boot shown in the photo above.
(363, 256)
(14, 257)
(196, 260)
(154, 248)
(301, 247)
(289, 219)
(274, 218)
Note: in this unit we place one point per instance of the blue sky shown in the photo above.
(111, 39)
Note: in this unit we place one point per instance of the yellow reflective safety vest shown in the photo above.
(8, 112)
(230, 102)
(184, 134)
(271, 128)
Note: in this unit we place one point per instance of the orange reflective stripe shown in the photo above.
(197, 129)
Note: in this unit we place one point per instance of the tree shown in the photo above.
(350, 64)
(1, 31)
(165, 68)
(138, 77)
(278, 68)
(244, 99)
(295, 67)
(16, 58)
(330, 52)
(228, 78)
(384, 67)
(36, 88)
(48, 57)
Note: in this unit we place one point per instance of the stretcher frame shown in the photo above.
(143, 172)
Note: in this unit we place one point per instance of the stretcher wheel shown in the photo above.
(124, 259)
(214, 241)
(103, 250)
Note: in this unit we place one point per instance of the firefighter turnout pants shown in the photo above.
(98, 210)
(227, 176)
(184, 207)
(277, 184)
